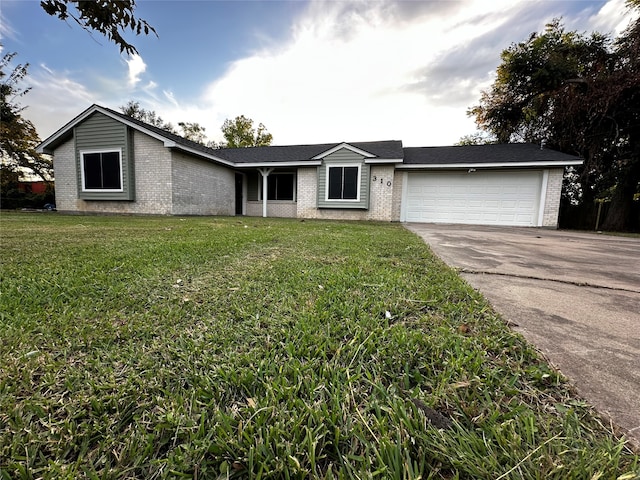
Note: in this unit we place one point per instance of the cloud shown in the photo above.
(352, 71)
(136, 68)
(6, 30)
(456, 76)
(367, 70)
(55, 98)
(171, 97)
(614, 17)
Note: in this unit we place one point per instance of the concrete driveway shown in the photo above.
(576, 296)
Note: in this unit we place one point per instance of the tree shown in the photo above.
(190, 130)
(108, 17)
(237, 133)
(18, 136)
(520, 104)
(240, 133)
(134, 110)
(193, 131)
(579, 94)
(625, 113)
(477, 138)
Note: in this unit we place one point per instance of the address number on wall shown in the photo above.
(375, 179)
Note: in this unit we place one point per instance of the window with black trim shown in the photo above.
(343, 183)
(102, 171)
(280, 186)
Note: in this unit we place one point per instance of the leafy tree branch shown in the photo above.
(108, 17)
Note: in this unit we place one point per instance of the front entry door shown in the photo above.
(239, 198)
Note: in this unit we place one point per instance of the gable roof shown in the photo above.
(388, 151)
(170, 140)
(290, 155)
(490, 155)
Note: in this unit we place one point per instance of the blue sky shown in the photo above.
(311, 71)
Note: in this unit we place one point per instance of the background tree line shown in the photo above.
(237, 133)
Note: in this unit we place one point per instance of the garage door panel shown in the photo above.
(490, 198)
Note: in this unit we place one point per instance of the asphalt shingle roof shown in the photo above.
(479, 154)
(388, 149)
(416, 157)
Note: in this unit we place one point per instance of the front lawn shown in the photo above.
(135, 347)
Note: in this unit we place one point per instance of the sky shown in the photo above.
(310, 71)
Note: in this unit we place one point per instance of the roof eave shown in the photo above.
(297, 163)
(383, 160)
(50, 147)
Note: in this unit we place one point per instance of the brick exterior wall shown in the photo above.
(275, 208)
(380, 197)
(396, 207)
(152, 181)
(381, 193)
(165, 183)
(307, 192)
(200, 187)
(153, 176)
(64, 170)
(552, 199)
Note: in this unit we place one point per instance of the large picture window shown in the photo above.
(102, 171)
(280, 186)
(343, 183)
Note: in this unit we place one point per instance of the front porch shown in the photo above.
(281, 189)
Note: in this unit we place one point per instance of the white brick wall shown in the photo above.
(381, 193)
(275, 208)
(381, 196)
(307, 192)
(64, 169)
(153, 176)
(552, 199)
(398, 182)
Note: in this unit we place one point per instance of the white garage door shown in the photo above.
(481, 197)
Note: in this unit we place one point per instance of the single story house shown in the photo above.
(107, 162)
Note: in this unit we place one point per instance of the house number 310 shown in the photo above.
(375, 179)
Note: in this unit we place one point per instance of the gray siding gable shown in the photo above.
(343, 157)
(98, 132)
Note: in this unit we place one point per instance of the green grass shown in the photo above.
(261, 348)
